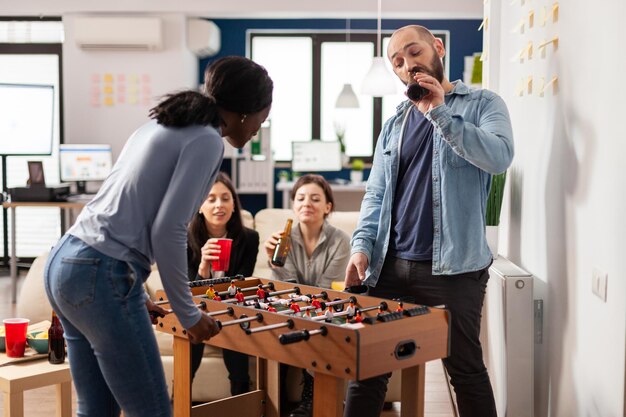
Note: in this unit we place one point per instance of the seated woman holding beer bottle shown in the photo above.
(318, 255)
(220, 217)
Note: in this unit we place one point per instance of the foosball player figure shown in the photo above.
(271, 308)
(232, 289)
(217, 297)
(350, 309)
(329, 314)
(358, 318)
(317, 304)
(400, 306)
(261, 293)
(239, 296)
(210, 293)
(306, 313)
(294, 306)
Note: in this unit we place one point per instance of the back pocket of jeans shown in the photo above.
(77, 280)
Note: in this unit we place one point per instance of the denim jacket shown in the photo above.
(472, 140)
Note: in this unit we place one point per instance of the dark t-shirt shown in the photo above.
(412, 214)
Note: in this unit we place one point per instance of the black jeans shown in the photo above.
(463, 296)
(236, 364)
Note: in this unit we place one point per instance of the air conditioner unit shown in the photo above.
(118, 33)
(203, 37)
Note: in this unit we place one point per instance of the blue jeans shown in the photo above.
(463, 295)
(111, 346)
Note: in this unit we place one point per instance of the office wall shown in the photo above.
(465, 39)
(137, 80)
(288, 9)
(564, 214)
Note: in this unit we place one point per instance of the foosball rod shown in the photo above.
(246, 289)
(290, 311)
(288, 324)
(345, 313)
(295, 290)
(344, 301)
(257, 317)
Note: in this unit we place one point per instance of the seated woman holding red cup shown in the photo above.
(220, 217)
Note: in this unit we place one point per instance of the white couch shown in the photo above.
(33, 304)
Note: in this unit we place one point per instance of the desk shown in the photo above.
(64, 206)
(348, 197)
(17, 378)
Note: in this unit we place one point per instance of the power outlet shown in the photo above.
(599, 283)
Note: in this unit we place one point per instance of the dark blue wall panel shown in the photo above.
(465, 39)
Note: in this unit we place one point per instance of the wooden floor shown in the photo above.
(41, 402)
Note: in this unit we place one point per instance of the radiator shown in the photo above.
(507, 338)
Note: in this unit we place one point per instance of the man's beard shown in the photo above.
(435, 69)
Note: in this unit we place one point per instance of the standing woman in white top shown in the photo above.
(95, 273)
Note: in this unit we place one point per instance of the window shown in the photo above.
(22, 61)
(309, 70)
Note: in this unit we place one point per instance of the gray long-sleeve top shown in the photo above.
(327, 263)
(141, 212)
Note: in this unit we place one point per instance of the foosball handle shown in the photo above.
(293, 337)
(357, 289)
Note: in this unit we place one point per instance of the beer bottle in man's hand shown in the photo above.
(283, 246)
(56, 341)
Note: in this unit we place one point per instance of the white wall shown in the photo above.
(448, 9)
(159, 72)
(565, 215)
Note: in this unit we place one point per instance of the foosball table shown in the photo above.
(336, 335)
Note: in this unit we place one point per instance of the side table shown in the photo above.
(19, 377)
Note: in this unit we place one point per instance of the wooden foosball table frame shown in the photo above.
(403, 341)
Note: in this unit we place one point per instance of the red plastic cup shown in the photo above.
(221, 264)
(15, 336)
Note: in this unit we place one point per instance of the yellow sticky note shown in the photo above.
(107, 89)
(108, 101)
(555, 12)
(108, 78)
(541, 87)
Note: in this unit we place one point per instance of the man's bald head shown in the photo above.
(421, 31)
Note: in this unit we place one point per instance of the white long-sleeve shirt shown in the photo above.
(141, 212)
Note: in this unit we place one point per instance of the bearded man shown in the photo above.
(421, 231)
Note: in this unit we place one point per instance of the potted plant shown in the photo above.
(494, 206)
(340, 132)
(356, 174)
(295, 175)
(283, 176)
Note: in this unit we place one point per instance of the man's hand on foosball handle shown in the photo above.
(204, 329)
(355, 272)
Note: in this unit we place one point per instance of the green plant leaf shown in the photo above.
(494, 201)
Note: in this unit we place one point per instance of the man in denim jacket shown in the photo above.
(421, 231)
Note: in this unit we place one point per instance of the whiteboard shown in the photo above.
(315, 156)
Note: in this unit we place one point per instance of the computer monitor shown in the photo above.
(316, 155)
(82, 163)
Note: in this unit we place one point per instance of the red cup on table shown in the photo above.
(220, 265)
(15, 336)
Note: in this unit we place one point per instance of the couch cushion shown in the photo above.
(32, 302)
